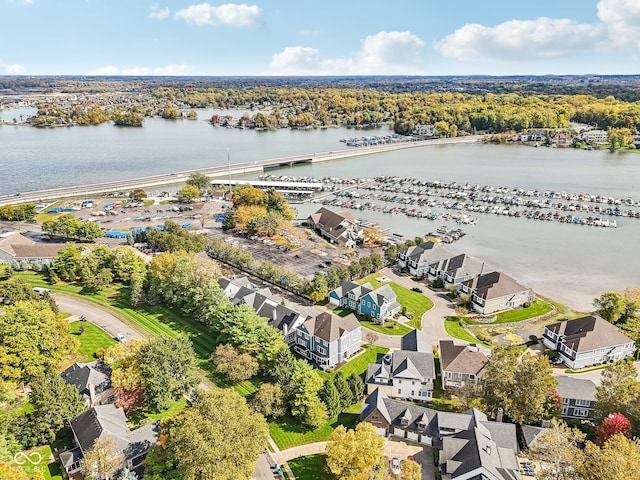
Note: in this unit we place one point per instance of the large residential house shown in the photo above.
(578, 396)
(93, 381)
(379, 303)
(562, 139)
(326, 339)
(337, 227)
(495, 291)
(418, 258)
(405, 374)
(457, 269)
(533, 136)
(471, 446)
(107, 420)
(427, 130)
(585, 341)
(21, 252)
(461, 365)
(266, 304)
(598, 137)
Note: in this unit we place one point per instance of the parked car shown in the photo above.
(416, 289)
(121, 337)
(395, 466)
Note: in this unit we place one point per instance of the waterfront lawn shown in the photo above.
(389, 328)
(91, 340)
(358, 365)
(311, 467)
(537, 308)
(289, 432)
(454, 328)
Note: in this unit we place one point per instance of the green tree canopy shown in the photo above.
(353, 454)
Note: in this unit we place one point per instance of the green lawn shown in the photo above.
(453, 328)
(537, 308)
(389, 328)
(142, 417)
(288, 432)
(312, 467)
(91, 340)
(415, 302)
(358, 365)
(42, 469)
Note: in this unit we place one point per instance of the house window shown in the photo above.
(472, 376)
(583, 403)
(565, 401)
(580, 412)
(413, 393)
(413, 382)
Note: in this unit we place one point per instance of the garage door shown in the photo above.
(412, 436)
(381, 431)
(426, 439)
(398, 432)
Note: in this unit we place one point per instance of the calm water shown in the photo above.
(570, 263)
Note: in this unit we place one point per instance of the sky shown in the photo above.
(328, 37)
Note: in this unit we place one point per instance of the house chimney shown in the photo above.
(92, 394)
(499, 414)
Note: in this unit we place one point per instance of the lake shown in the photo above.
(572, 264)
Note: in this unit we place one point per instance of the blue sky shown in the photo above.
(329, 37)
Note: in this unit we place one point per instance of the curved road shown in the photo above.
(96, 315)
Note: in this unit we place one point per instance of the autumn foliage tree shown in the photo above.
(353, 454)
(612, 424)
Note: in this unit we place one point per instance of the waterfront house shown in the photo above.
(418, 258)
(533, 136)
(578, 396)
(586, 341)
(337, 227)
(457, 269)
(405, 374)
(598, 137)
(470, 445)
(496, 291)
(426, 130)
(562, 139)
(107, 420)
(379, 303)
(326, 339)
(93, 381)
(240, 291)
(21, 252)
(461, 365)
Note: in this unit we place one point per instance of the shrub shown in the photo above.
(526, 304)
(437, 283)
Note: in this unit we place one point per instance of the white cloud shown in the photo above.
(158, 13)
(167, 70)
(520, 40)
(622, 19)
(7, 69)
(229, 14)
(384, 53)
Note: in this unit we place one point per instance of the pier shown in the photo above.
(242, 168)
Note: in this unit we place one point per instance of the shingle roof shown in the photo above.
(81, 375)
(494, 285)
(37, 250)
(576, 388)
(415, 341)
(466, 359)
(416, 365)
(330, 327)
(427, 252)
(462, 265)
(330, 219)
(588, 333)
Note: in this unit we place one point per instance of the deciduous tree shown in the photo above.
(103, 459)
(558, 450)
(353, 454)
(619, 391)
(612, 424)
(619, 457)
(610, 306)
(270, 401)
(218, 437)
(235, 366)
(200, 180)
(188, 193)
(410, 470)
(331, 398)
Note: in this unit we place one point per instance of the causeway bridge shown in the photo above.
(218, 171)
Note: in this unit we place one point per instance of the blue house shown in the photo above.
(379, 303)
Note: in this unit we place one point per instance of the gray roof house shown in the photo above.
(589, 340)
(457, 269)
(93, 381)
(472, 447)
(415, 341)
(578, 396)
(20, 251)
(267, 305)
(326, 339)
(405, 374)
(418, 258)
(461, 364)
(337, 227)
(108, 420)
(379, 303)
(495, 291)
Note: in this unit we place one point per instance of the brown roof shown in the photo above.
(588, 333)
(330, 327)
(9, 240)
(495, 285)
(461, 358)
(37, 250)
(330, 219)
